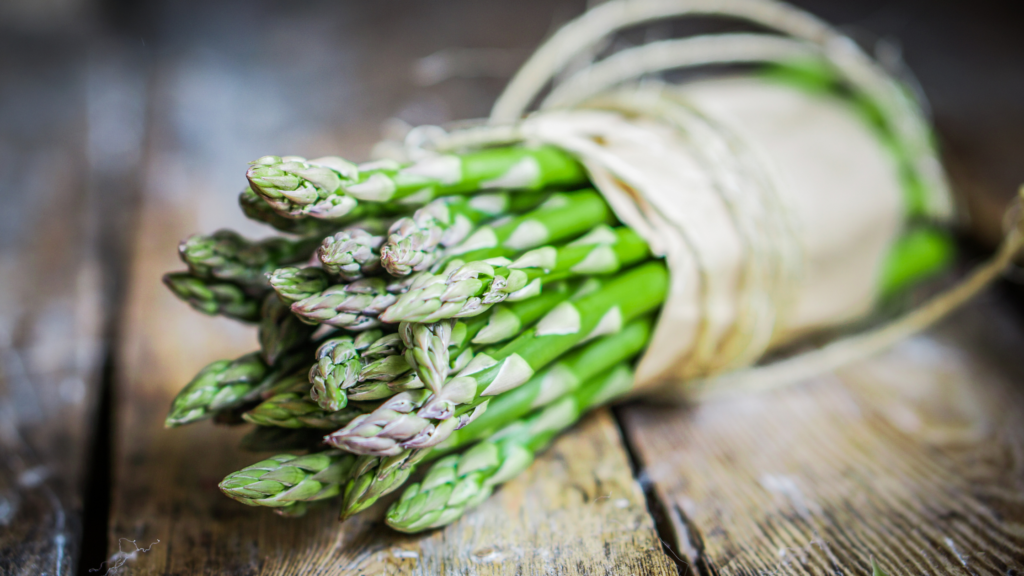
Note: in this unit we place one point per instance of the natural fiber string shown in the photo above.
(655, 57)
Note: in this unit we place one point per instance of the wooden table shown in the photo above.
(115, 144)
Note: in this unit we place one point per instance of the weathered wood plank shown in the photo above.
(57, 276)
(577, 511)
(912, 459)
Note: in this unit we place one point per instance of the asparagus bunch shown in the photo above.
(458, 305)
(477, 302)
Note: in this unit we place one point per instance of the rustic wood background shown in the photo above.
(126, 125)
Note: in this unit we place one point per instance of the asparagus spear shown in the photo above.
(218, 385)
(213, 297)
(228, 384)
(379, 477)
(414, 242)
(294, 284)
(459, 482)
(387, 433)
(256, 208)
(280, 331)
(296, 410)
(354, 306)
(332, 187)
(227, 256)
(602, 251)
(285, 479)
(350, 254)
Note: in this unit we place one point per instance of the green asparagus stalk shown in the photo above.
(227, 256)
(414, 243)
(507, 320)
(387, 433)
(280, 331)
(296, 410)
(332, 187)
(354, 306)
(218, 385)
(350, 254)
(229, 384)
(561, 216)
(212, 297)
(294, 284)
(284, 479)
(381, 476)
(457, 483)
(470, 288)
(256, 208)
(380, 389)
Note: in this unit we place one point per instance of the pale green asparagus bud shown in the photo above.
(294, 284)
(213, 297)
(337, 368)
(354, 306)
(220, 384)
(227, 256)
(350, 254)
(427, 350)
(284, 479)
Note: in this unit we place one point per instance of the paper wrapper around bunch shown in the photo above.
(774, 208)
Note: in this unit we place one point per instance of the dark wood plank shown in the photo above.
(315, 82)
(912, 459)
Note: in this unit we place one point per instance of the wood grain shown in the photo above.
(913, 459)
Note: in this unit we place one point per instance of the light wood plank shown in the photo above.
(913, 458)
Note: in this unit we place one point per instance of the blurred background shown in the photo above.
(127, 124)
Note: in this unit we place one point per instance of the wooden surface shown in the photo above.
(59, 273)
(914, 459)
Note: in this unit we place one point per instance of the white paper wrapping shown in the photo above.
(775, 209)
